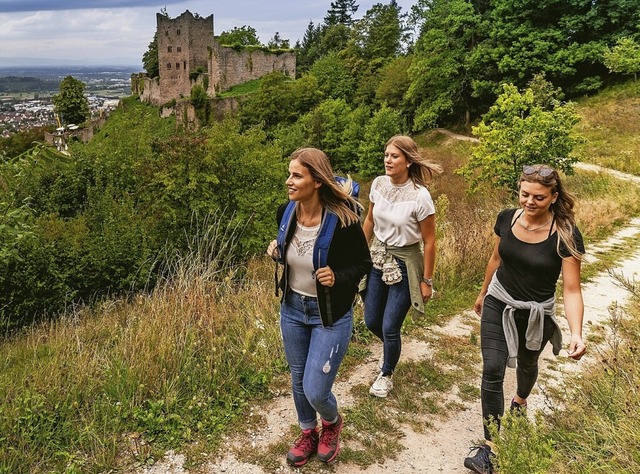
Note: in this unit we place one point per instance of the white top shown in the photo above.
(398, 211)
(302, 277)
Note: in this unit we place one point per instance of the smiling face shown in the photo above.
(396, 165)
(300, 184)
(535, 198)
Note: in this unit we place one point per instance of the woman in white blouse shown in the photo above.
(401, 220)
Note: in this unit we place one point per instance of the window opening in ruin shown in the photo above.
(168, 65)
(169, 49)
(179, 49)
(178, 32)
(177, 65)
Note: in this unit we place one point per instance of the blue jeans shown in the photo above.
(314, 354)
(385, 309)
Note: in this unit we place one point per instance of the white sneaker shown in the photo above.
(382, 386)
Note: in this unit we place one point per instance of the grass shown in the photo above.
(116, 386)
(618, 109)
(245, 88)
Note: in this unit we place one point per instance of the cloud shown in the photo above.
(7, 6)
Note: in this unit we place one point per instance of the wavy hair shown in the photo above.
(333, 196)
(424, 171)
(562, 209)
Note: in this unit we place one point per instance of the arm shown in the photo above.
(351, 260)
(492, 266)
(428, 231)
(367, 226)
(573, 305)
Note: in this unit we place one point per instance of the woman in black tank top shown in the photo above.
(534, 244)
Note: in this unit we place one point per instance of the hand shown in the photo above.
(272, 250)
(577, 348)
(325, 276)
(426, 291)
(477, 306)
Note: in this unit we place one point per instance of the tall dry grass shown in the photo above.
(176, 365)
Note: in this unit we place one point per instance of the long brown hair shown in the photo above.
(333, 196)
(562, 208)
(423, 170)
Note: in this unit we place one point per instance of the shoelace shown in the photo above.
(329, 434)
(305, 441)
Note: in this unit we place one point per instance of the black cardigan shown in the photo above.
(350, 260)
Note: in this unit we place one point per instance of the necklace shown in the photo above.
(305, 221)
(534, 228)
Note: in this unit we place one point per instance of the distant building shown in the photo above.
(189, 54)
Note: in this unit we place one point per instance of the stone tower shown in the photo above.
(184, 47)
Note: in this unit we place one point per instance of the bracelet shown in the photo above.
(428, 281)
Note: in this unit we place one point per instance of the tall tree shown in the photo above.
(377, 39)
(71, 104)
(309, 50)
(341, 12)
(150, 58)
(440, 84)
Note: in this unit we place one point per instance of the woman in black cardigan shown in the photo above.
(324, 252)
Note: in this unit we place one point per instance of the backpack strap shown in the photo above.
(323, 241)
(321, 254)
(283, 231)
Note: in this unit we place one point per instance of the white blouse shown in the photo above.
(398, 211)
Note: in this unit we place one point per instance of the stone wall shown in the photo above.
(235, 66)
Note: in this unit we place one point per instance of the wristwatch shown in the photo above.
(428, 281)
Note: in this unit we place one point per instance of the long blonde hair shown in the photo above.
(333, 196)
(562, 208)
(424, 171)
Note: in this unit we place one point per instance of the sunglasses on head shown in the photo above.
(542, 171)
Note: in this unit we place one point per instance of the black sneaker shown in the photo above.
(517, 408)
(481, 462)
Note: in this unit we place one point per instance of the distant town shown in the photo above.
(26, 93)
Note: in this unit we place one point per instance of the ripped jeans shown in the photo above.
(314, 354)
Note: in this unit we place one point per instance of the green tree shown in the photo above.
(341, 12)
(278, 43)
(150, 58)
(564, 39)
(243, 36)
(385, 123)
(326, 126)
(309, 50)
(334, 78)
(521, 128)
(624, 57)
(394, 83)
(377, 39)
(71, 104)
(440, 87)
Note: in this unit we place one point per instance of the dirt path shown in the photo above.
(442, 448)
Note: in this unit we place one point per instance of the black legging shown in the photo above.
(495, 355)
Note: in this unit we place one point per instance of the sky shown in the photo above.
(118, 32)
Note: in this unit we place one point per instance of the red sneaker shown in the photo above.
(329, 445)
(303, 448)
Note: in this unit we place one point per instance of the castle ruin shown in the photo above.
(189, 54)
